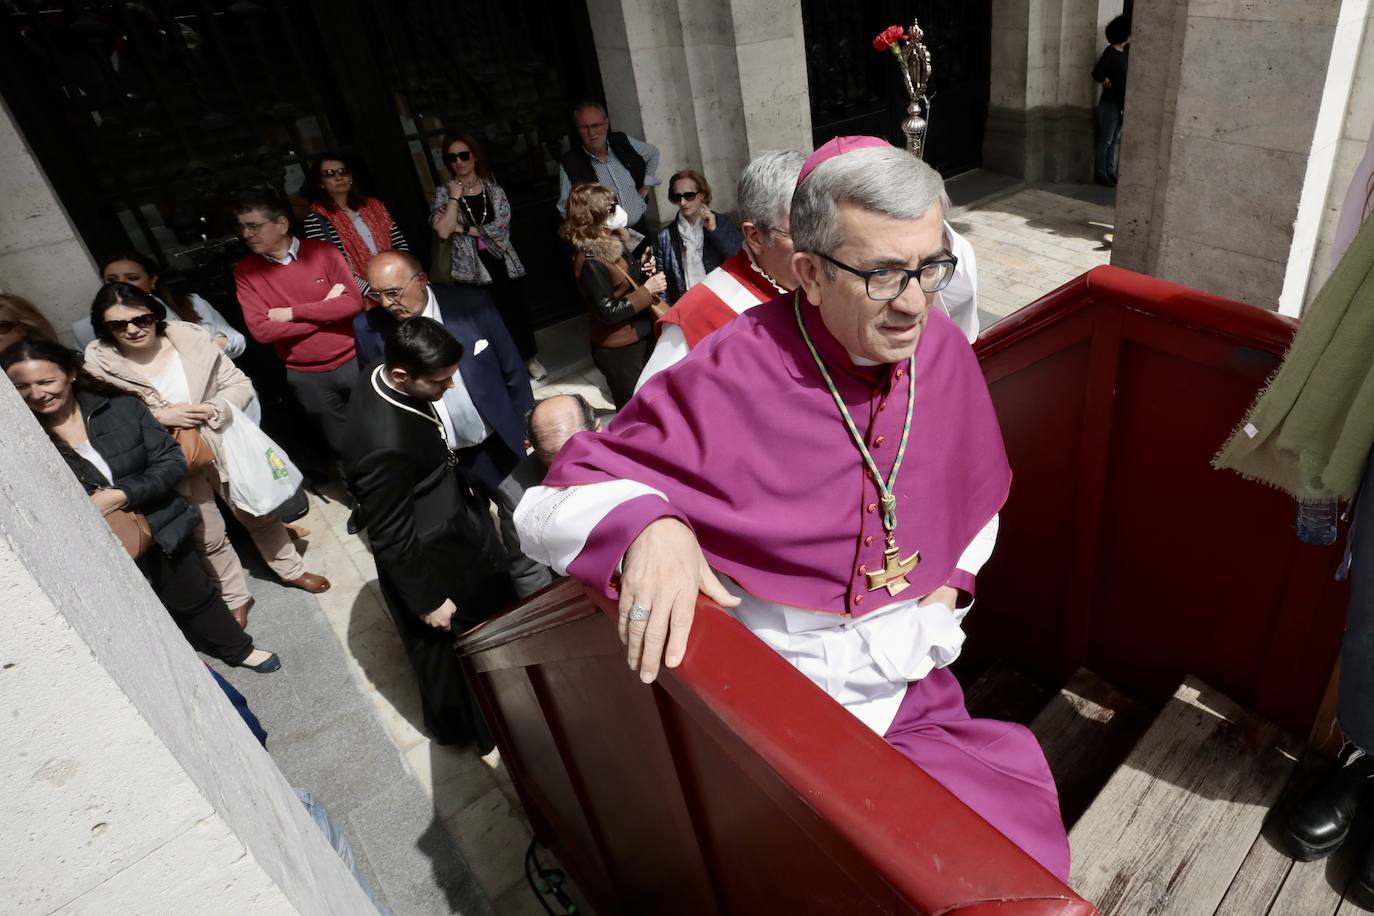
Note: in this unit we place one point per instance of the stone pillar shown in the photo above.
(41, 258)
(131, 784)
(1344, 128)
(711, 83)
(1221, 108)
(1040, 120)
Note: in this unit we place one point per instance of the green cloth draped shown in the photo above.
(1309, 432)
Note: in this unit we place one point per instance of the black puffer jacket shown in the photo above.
(145, 460)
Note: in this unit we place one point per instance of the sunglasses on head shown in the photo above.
(120, 325)
(679, 196)
(450, 158)
(331, 173)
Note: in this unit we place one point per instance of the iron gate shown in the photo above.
(147, 116)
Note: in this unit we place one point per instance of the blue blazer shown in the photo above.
(495, 377)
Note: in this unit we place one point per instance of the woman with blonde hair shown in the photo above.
(618, 294)
(20, 320)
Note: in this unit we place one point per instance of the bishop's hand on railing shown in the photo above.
(664, 570)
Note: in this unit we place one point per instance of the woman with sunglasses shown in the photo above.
(614, 286)
(358, 225)
(697, 240)
(137, 269)
(472, 212)
(188, 383)
(20, 320)
(126, 460)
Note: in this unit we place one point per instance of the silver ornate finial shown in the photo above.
(915, 65)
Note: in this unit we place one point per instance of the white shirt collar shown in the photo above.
(292, 253)
(432, 306)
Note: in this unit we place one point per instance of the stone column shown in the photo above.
(41, 258)
(1344, 128)
(132, 786)
(1221, 108)
(1042, 94)
(711, 83)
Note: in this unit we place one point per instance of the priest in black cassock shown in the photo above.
(441, 566)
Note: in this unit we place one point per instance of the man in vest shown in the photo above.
(763, 267)
(611, 159)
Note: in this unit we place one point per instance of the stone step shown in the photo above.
(1176, 821)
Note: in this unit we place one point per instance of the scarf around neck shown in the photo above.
(355, 250)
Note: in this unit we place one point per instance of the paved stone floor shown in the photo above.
(427, 821)
(1035, 240)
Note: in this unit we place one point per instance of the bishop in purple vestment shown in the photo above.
(736, 472)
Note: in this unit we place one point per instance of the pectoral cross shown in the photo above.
(893, 574)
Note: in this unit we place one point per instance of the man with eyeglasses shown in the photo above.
(490, 396)
(828, 468)
(299, 296)
(599, 155)
(763, 267)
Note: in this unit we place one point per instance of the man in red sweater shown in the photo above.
(299, 296)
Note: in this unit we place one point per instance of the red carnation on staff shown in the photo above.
(887, 36)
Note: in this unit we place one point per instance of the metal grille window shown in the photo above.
(147, 116)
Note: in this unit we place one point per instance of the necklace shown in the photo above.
(463, 202)
(893, 574)
(433, 416)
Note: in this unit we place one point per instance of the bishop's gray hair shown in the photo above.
(884, 180)
(765, 187)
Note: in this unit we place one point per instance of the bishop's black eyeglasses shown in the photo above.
(885, 283)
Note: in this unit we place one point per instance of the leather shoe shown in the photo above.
(1320, 821)
(240, 614)
(309, 582)
(266, 666)
(355, 520)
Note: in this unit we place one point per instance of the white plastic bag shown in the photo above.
(261, 476)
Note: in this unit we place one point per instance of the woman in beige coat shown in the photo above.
(189, 383)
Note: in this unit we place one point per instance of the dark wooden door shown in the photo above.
(857, 90)
(148, 116)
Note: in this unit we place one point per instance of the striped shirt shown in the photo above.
(319, 229)
(613, 174)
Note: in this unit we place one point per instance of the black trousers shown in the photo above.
(488, 468)
(324, 396)
(621, 367)
(1355, 696)
(511, 303)
(451, 712)
(179, 580)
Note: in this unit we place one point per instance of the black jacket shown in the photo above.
(145, 460)
(431, 538)
(717, 246)
(578, 163)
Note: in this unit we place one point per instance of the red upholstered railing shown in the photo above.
(732, 786)
(735, 786)
(1121, 549)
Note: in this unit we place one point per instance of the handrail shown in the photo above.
(1148, 296)
(765, 713)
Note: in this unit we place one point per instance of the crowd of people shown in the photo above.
(472, 495)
